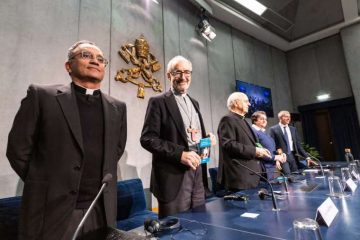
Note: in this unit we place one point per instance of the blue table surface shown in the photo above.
(220, 219)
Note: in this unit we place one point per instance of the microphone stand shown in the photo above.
(317, 160)
(275, 208)
(285, 182)
(105, 181)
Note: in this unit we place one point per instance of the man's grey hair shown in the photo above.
(283, 112)
(175, 60)
(233, 97)
(73, 48)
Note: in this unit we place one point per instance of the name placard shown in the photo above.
(354, 174)
(249, 215)
(326, 212)
(350, 185)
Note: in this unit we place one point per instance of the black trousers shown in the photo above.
(95, 220)
(292, 162)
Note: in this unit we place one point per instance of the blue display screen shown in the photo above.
(259, 97)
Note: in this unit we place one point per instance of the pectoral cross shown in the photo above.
(193, 133)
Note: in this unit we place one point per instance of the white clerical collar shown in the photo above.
(237, 113)
(85, 90)
(258, 128)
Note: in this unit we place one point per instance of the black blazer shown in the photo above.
(277, 134)
(237, 142)
(45, 149)
(164, 136)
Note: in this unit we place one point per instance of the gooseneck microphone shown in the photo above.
(275, 208)
(263, 193)
(107, 178)
(317, 160)
(285, 179)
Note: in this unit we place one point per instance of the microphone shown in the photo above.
(107, 178)
(275, 208)
(236, 197)
(263, 193)
(317, 160)
(285, 179)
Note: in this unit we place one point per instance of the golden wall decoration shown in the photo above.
(144, 65)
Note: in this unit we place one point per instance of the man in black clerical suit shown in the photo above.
(287, 139)
(64, 140)
(237, 142)
(172, 128)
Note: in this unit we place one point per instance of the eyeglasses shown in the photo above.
(177, 73)
(89, 56)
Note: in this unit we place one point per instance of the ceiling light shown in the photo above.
(323, 97)
(253, 6)
(204, 27)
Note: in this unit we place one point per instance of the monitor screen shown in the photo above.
(259, 97)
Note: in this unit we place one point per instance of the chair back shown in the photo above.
(130, 198)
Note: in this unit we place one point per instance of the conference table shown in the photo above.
(221, 219)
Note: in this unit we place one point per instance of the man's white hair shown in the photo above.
(283, 112)
(233, 97)
(175, 60)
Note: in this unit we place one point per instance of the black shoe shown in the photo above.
(208, 193)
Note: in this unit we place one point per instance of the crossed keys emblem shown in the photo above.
(145, 64)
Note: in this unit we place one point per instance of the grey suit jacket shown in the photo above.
(45, 149)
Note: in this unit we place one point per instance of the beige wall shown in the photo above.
(36, 34)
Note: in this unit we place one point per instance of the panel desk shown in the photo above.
(220, 219)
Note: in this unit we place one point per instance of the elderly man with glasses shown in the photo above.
(64, 140)
(238, 144)
(172, 129)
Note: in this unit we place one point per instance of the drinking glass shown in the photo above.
(306, 229)
(345, 174)
(353, 169)
(335, 187)
(357, 164)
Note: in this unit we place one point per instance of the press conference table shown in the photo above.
(220, 219)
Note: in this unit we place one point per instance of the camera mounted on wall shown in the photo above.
(204, 27)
